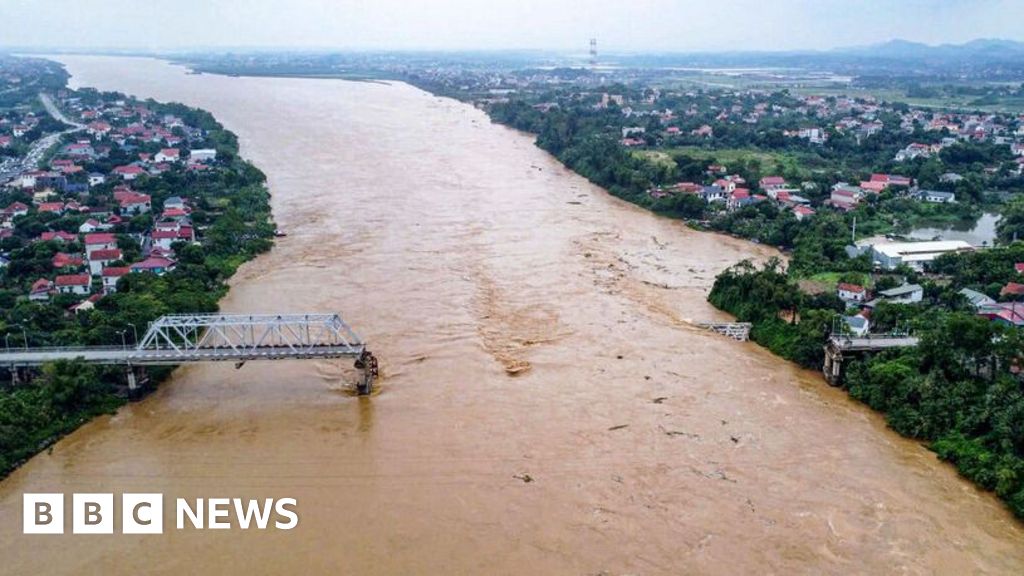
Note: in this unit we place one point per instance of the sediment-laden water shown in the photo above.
(527, 324)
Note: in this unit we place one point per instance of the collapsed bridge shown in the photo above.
(183, 338)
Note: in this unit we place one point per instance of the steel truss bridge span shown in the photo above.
(183, 338)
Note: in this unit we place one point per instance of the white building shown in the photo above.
(905, 294)
(890, 255)
(203, 155)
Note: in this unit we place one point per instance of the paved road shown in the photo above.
(15, 167)
(56, 113)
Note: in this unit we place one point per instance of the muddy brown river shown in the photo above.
(527, 323)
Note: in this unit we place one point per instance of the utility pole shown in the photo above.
(853, 233)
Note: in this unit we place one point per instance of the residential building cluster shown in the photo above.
(91, 198)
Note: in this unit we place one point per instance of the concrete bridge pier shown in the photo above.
(137, 378)
(833, 368)
(366, 362)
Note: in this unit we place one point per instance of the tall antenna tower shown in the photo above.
(593, 52)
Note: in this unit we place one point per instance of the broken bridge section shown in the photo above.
(840, 347)
(735, 330)
(181, 338)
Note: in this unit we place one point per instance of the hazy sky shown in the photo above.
(634, 25)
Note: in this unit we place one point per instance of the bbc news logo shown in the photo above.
(144, 513)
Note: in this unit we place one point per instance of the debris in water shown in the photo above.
(734, 439)
(660, 399)
(516, 367)
(526, 478)
(618, 427)
(679, 433)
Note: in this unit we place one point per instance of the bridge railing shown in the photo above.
(298, 332)
(22, 349)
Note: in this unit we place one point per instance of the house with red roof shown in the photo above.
(851, 292)
(688, 188)
(769, 183)
(155, 264)
(111, 275)
(725, 184)
(99, 241)
(132, 203)
(1007, 313)
(802, 212)
(98, 129)
(73, 284)
(845, 197)
(891, 179)
(59, 236)
(174, 213)
(40, 290)
(129, 172)
(1013, 289)
(80, 150)
(90, 225)
(164, 238)
(739, 198)
(16, 209)
(1019, 267)
(52, 207)
(65, 260)
(168, 155)
(873, 187)
(99, 259)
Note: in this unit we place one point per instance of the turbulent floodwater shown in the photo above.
(463, 254)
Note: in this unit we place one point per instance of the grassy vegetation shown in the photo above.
(1007, 104)
(831, 279)
(825, 87)
(772, 161)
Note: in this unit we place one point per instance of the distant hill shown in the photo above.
(982, 49)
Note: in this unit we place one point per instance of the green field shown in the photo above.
(815, 86)
(1003, 104)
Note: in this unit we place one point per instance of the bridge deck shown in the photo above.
(869, 344)
(181, 338)
(135, 357)
(736, 330)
